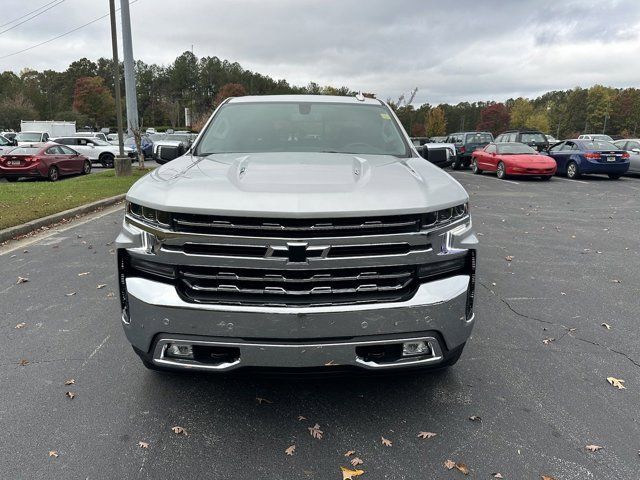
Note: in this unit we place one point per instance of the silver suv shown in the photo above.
(298, 232)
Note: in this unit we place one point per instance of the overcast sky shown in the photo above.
(453, 50)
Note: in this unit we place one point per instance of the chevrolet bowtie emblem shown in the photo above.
(297, 252)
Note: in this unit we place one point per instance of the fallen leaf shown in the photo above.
(102, 285)
(83, 274)
(386, 442)
(493, 284)
(355, 461)
(70, 294)
(22, 280)
(349, 453)
(616, 382)
(475, 418)
(348, 474)
(509, 258)
(449, 464)
(330, 363)
(615, 280)
(593, 448)
(21, 325)
(53, 453)
(71, 395)
(606, 325)
(23, 362)
(179, 430)
(562, 293)
(315, 431)
(497, 475)
(71, 381)
(111, 295)
(290, 450)
(142, 444)
(262, 400)
(547, 341)
(427, 434)
(547, 477)
(461, 467)
(301, 418)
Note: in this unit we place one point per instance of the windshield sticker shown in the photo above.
(385, 116)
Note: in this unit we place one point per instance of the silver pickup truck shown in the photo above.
(298, 233)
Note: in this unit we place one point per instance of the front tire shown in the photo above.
(86, 168)
(54, 174)
(502, 171)
(572, 170)
(457, 164)
(474, 167)
(12, 179)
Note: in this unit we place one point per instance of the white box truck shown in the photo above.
(52, 127)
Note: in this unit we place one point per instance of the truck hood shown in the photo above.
(297, 185)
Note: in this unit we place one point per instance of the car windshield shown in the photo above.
(479, 138)
(598, 145)
(515, 149)
(24, 151)
(29, 137)
(532, 138)
(303, 127)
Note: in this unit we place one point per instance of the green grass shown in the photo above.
(23, 201)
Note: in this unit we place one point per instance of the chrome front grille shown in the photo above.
(303, 287)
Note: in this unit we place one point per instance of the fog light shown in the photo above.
(420, 347)
(182, 351)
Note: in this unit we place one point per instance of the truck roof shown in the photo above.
(304, 98)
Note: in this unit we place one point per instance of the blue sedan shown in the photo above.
(578, 157)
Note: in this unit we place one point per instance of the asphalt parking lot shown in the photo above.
(534, 371)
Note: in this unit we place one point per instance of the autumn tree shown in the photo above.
(436, 124)
(229, 90)
(14, 109)
(494, 118)
(599, 100)
(93, 99)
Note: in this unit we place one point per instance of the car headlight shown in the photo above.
(151, 216)
(445, 216)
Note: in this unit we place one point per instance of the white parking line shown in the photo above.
(570, 181)
(484, 176)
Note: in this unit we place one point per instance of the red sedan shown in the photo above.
(46, 161)
(512, 159)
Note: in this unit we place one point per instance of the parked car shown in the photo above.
(466, 143)
(96, 150)
(340, 249)
(5, 145)
(171, 146)
(582, 156)
(438, 139)
(515, 159)
(31, 138)
(101, 135)
(45, 161)
(632, 146)
(11, 136)
(551, 139)
(440, 154)
(534, 138)
(595, 136)
(146, 145)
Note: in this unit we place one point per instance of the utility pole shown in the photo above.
(116, 74)
(129, 73)
(122, 163)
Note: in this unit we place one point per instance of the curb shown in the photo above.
(20, 230)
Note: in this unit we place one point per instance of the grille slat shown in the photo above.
(260, 287)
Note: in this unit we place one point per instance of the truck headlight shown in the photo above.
(151, 216)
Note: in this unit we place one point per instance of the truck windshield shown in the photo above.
(29, 137)
(303, 127)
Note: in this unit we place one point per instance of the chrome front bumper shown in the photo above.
(306, 337)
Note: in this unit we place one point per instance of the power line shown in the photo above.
(27, 14)
(31, 18)
(61, 35)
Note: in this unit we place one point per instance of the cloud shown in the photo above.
(452, 51)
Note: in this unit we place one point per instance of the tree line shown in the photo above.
(84, 93)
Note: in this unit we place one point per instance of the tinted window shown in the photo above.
(24, 151)
(557, 147)
(532, 138)
(64, 141)
(67, 150)
(479, 138)
(515, 149)
(302, 127)
(598, 145)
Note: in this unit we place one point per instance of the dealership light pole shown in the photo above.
(116, 73)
